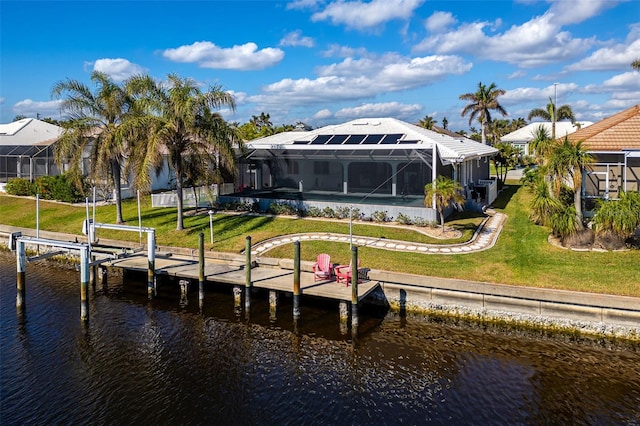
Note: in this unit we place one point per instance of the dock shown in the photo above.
(264, 277)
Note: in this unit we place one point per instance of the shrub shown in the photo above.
(404, 219)
(342, 212)
(328, 212)
(420, 221)
(314, 211)
(20, 186)
(58, 188)
(380, 216)
(282, 208)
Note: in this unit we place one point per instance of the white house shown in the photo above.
(26, 149)
(524, 135)
(370, 158)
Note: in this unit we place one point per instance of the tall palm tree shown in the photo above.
(568, 161)
(636, 64)
(550, 113)
(482, 102)
(105, 120)
(541, 144)
(182, 122)
(445, 191)
(427, 122)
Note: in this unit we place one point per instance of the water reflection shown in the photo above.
(160, 361)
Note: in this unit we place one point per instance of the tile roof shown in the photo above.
(618, 132)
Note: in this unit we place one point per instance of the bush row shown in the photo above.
(280, 208)
(58, 188)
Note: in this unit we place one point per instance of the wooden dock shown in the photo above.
(228, 273)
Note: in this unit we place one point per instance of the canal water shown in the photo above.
(170, 362)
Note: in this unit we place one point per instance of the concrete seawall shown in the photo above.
(571, 311)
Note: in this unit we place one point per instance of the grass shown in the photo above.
(522, 256)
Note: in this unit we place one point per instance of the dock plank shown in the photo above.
(261, 277)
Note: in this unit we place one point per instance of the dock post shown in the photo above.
(344, 316)
(273, 304)
(237, 299)
(21, 265)
(151, 255)
(84, 283)
(354, 287)
(247, 274)
(103, 277)
(201, 275)
(296, 280)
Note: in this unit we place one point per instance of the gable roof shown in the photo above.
(29, 132)
(390, 133)
(526, 134)
(619, 132)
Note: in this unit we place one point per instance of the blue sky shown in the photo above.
(325, 62)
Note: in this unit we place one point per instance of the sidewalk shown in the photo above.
(484, 238)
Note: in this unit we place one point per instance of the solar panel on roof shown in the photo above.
(321, 139)
(392, 138)
(372, 139)
(337, 139)
(354, 139)
(407, 141)
(301, 142)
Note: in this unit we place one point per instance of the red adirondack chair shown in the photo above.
(323, 268)
(343, 273)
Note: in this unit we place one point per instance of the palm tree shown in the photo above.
(568, 161)
(445, 123)
(622, 216)
(636, 64)
(552, 114)
(182, 122)
(105, 120)
(427, 122)
(541, 144)
(482, 102)
(445, 191)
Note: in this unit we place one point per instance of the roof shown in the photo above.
(373, 134)
(29, 132)
(619, 132)
(526, 134)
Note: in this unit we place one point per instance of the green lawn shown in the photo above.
(522, 255)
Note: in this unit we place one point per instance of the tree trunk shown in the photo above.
(482, 133)
(178, 169)
(115, 174)
(577, 202)
(441, 219)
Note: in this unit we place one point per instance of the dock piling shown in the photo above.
(247, 276)
(201, 274)
(21, 265)
(344, 316)
(84, 283)
(151, 253)
(273, 304)
(354, 287)
(296, 279)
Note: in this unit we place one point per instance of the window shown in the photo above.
(292, 168)
(321, 167)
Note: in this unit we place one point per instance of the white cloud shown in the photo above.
(362, 78)
(31, 108)
(439, 22)
(516, 74)
(338, 51)
(537, 42)
(385, 109)
(295, 39)
(614, 57)
(537, 95)
(2, 100)
(239, 57)
(625, 83)
(118, 69)
(303, 4)
(323, 114)
(366, 15)
(575, 11)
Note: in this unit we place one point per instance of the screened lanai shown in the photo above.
(26, 149)
(366, 160)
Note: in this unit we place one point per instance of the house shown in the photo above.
(380, 161)
(26, 149)
(522, 137)
(614, 142)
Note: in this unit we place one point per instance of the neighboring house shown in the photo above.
(614, 142)
(366, 158)
(522, 137)
(26, 149)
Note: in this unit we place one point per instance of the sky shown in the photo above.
(328, 62)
